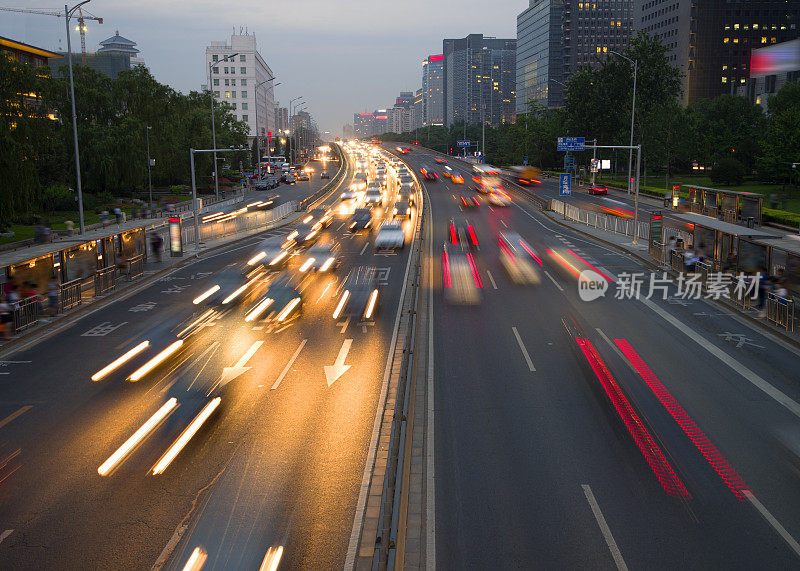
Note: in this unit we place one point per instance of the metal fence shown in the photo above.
(605, 222)
(27, 312)
(105, 279)
(780, 311)
(243, 222)
(658, 251)
(135, 267)
(69, 295)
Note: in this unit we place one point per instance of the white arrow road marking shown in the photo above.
(333, 372)
(230, 373)
(289, 364)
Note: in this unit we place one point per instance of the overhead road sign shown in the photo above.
(461, 143)
(571, 143)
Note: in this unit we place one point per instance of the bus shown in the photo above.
(272, 164)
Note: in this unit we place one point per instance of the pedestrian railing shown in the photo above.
(27, 313)
(604, 222)
(677, 261)
(135, 267)
(105, 279)
(780, 311)
(69, 295)
(704, 269)
(657, 251)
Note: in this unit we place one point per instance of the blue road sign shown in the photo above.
(525, 160)
(461, 143)
(571, 143)
(565, 184)
(569, 163)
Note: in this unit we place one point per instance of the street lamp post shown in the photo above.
(67, 14)
(633, 115)
(213, 128)
(195, 210)
(291, 116)
(299, 132)
(149, 177)
(258, 132)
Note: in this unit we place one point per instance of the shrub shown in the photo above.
(728, 171)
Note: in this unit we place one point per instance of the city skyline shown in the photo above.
(175, 54)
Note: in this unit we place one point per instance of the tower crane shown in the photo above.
(82, 16)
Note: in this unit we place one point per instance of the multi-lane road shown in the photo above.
(537, 466)
(627, 433)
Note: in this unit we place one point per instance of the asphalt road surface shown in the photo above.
(535, 465)
(277, 464)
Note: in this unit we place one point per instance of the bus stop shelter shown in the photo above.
(732, 206)
(731, 247)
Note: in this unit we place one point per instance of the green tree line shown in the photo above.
(37, 165)
(729, 133)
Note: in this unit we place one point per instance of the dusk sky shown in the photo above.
(343, 56)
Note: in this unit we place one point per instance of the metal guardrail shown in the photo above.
(677, 261)
(705, 270)
(26, 313)
(69, 295)
(657, 251)
(780, 311)
(135, 267)
(328, 187)
(105, 279)
(615, 224)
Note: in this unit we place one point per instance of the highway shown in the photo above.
(614, 433)
(275, 464)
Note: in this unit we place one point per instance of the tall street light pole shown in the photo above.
(299, 134)
(258, 132)
(213, 128)
(67, 14)
(633, 115)
(291, 127)
(149, 177)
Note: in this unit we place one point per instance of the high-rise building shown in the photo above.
(281, 118)
(556, 37)
(710, 41)
(771, 68)
(416, 110)
(480, 79)
(380, 123)
(347, 132)
(362, 124)
(433, 90)
(405, 99)
(242, 82)
(401, 114)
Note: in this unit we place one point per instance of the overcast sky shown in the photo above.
(343, 56)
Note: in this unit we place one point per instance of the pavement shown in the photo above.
(532, 459)
(277, 465)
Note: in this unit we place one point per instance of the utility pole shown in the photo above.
(149, 177)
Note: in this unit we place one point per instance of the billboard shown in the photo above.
(778, 58)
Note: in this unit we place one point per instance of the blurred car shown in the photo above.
(499, 198)
(381, 181)
(598, 189)
(229, 288)
(462, 283)
(320, 257)
(447, 172)
(463, 234)
(471, 202)
(359, 296)
(303, 175)
(457, 178)
(324, 174)
(440, 160)
(362, 220)
(272, 254)
(406, 193)
(402, 209)
(267, 203)
(360, 181)
(320, 216)
(305, 234)
(288, 178)
(390, 236)
(428, 174)
(351, 193)
(280, 302)
(518, 259)
(374, 195)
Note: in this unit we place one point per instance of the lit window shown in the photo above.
(735, 40)
(742, 80)
(724, 67)
(763, 39)
(774, 39)
(725, 40)
(227, 94)
(755, 26)
(216, 94)
(598, 49)
(736, 26)
(724, 79)
(758, 100)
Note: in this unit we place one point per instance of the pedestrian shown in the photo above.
(156, 243)
(5, 318)
(53, 289)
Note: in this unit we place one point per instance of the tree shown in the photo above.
(781, 139)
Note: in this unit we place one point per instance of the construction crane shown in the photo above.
(82, 16)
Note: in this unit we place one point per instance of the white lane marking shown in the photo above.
(327, 287)
(5, 534)
(604, 529)
(491, 279)
(606, 272)
(503, 222)
(358, 518)
(615, 201)
(774, 523)
(176, 537)
(524, 350)
(344, 324)
(289, 364)
(14, 415)
(341, 226)
(757, 381)
(552, 279)
(364, 249)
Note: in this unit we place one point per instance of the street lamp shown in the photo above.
(291, 116)
(149, 177)
(302, 106)
(258, 133)
(633, 115)
(67, 15)
(213, 129)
